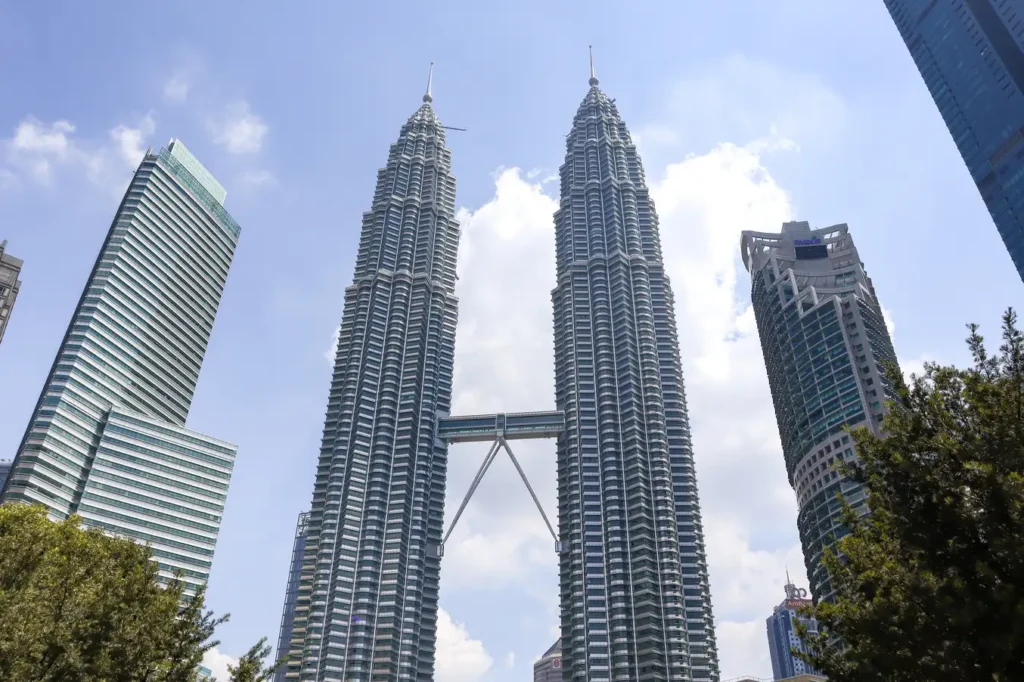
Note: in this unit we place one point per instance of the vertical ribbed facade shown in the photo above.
(635, 599)
(107, 437)
(970, 54)
(367, 607)
(825, 347)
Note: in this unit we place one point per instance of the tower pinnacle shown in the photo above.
(428, 97)
(593, 76)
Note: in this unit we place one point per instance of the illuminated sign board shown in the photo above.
(807, 242)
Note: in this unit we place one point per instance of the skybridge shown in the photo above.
(499, 429)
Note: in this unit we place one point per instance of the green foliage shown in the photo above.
(930, 585)
(80, 606)
(251, 666)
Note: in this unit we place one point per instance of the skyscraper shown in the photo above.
(284, 637)
(107, 439)
(5, 469)
(549, 667)
(635, 600)
(825, 345)
(10, 268)
(783, 638)
(367, 607)
(971, 56)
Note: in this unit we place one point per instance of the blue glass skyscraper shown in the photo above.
(635, 600)
(971, 56)
(783, 639)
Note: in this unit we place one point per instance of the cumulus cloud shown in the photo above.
(460, 658)
(218, 663)
(131, 140)
(37, 150)
(239, 130)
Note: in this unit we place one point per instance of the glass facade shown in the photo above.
(825, 345)
(284, 637)
(10, 268)
(367, 603)
(635, 600)
(783, 639)
(107, 438)
(971, 56)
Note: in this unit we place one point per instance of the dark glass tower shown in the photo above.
(970, 54)
(635, 600)
(367, 606)
(825, 347)
(291, 593)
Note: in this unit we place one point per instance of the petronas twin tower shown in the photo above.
(635, 601)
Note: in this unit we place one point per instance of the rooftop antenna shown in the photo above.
(429, 97)
(593, 76)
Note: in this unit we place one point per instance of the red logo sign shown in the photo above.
(557, 663)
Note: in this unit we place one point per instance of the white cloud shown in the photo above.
(460, 658)
(37, 150)
(239, 130)
(218, 664)
(37, 146)
(332, 352)
(131, 141)
(176, 89)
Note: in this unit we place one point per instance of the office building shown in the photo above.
(10, 268)
(971, 56)
(367, 604)
(5, 469)
(783, 639)
(549, 667)
(284, 637)
(107, 439)
(825, 348)
(635, 600)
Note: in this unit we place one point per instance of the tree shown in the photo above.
(251, 667)
(930, 585)
(77, 605)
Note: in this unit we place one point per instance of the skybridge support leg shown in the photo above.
(499, 444)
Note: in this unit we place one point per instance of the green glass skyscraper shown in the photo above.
(107, 439)
(825, 347)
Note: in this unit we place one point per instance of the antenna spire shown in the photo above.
(593, 76)
(429, 97)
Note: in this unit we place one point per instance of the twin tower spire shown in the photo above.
(428, 96)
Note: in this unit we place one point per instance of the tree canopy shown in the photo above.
(930, 585)
(77, 605)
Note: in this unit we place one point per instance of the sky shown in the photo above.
(747, 114)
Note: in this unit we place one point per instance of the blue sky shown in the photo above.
(747, 113)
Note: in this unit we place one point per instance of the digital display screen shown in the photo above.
(811, 252)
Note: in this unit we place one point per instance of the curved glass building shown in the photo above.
(635, 600)
(367, 604)
(825, 345)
